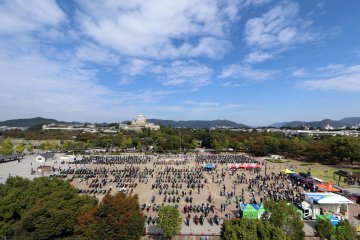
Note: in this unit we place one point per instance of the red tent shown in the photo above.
(257, 165)
(248, 165)
(232, 165)
(324, 187)
(239, 165)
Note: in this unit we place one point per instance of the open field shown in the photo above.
(324, 172)
(211, 187)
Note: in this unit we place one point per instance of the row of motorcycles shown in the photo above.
(150, 220)
(169, 192)
(201, 219)
(199, 208)
(155, 208)
(171, 199)
(94, 191)
(165, 186)
(126, 185)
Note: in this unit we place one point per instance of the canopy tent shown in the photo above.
(243, 165)
(252, 211)
(334, 220)
(209, 166)
(326, 198)
(240, 165)
(231, 166)
(288, 171)
(324, 187)
(318, 179)
(296, 176)
(247, 165)
(256, 165)
(310, 180)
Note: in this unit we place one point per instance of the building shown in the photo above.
(44, 170)
(82, 127)
(41, 158)
(138, 124)
(315, 133)
(12, 157)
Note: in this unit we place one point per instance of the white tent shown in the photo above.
(328, 201)
(326, 198)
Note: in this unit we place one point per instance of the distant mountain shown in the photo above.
(345, 122)
(351, 120)
(31, 122)
(198, 123)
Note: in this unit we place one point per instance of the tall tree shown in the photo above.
(324, 229)
(40, 209)
(30, 148)
(20, 148)
(250, 229)
(117, 217)
(286, 217)
(7, 147)
(169, 221)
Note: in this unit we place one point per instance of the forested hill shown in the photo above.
(30, 122)
(198, 123)
(345, 122)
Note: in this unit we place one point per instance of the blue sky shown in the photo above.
(250, 61)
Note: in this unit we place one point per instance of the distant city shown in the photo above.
(140, 122)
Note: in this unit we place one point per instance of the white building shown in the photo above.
(41, 158)
(328, 127)
(138, 124)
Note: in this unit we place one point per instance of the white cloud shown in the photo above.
(301, 72)
(33, 85)
(198, 110)
(275, 31)
(94, 53)
(202, 103)
(184, 73)
(257, 57)
(343, 79)
(245, 72)
(331, 68)
(160, 29)
(20, 16)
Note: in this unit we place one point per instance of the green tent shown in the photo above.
(250, 212)
(261, 210)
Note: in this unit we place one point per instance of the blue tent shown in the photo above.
(334, 220)
(209, 166)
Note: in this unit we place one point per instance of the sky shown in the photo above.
(251, 61)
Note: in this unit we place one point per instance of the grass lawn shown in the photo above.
(277, 160)
(324, 172)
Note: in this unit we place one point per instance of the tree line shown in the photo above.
(168, 139)
(51, 209)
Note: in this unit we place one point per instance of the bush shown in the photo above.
(324, 228)
(345, 231)
(169, 221)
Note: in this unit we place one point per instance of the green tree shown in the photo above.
(45, 145)
(40, 209)
(250, 229)
(30, 148)
(7, 147)
(117, 217)
(345, 231)
(20, 148)
(169, 221)
(324, 229)
(286, 217)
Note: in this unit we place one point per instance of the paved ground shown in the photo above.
(23, 168)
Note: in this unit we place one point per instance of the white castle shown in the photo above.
(139, 123)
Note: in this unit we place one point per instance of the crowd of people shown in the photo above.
(184, 182)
